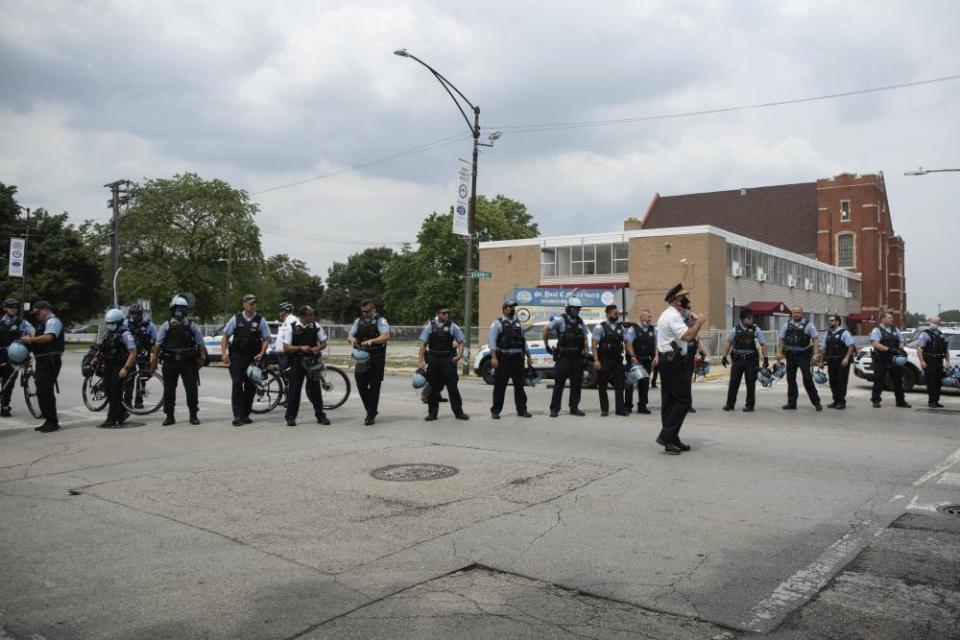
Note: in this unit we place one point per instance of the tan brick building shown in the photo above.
(723, 271)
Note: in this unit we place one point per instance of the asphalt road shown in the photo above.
(566, 527)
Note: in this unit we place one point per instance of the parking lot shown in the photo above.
(788, 524)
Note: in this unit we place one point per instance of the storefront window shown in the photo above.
(584, 260)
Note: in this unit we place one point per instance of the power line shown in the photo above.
(436, 144)
(323, 238)
(555, 126)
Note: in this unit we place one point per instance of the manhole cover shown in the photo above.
(413, 472)
(950, 510)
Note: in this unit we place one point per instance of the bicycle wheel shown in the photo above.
(94, 395)
(30, 394)
(143, 392)
(336, 387)
(268, 394)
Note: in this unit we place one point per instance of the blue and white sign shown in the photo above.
(18, 253)
(461, 224)
(547, 297)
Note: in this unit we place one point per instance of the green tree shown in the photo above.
(178, 235)
(288, 279)
(434, 273)
(950, 315)
(60, 267)
(360, 277)
(915, 319)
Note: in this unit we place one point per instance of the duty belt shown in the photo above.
(744, 355)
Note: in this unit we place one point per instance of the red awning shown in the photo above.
(861, 317)
(768, 308)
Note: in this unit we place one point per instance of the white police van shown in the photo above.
(542, 361)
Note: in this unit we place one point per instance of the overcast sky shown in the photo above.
(263, 94)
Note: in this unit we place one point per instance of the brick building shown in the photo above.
(842, 221)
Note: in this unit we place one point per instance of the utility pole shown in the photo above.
(118, 196)
(229, 283)
(23, 280)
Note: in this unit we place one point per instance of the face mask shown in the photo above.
(685, 302)
(508, 313)
(179, 314)
(573, 312)
(113, 326)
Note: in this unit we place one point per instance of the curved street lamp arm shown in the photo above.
(447, 85)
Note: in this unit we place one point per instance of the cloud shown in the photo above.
(263, 95)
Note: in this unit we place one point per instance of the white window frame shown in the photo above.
(853, 248)
(842, 217)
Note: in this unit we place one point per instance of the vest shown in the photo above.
(571, 339)
(368, 330)
(179, 336)
(834, 346)
(246, 336)
(888, 339)
(611, 342)
(937, 344)
(796, 336)
(140, 335)
(10, 332)
(511, 335)
(55, 347)
(645, 342)
(745, 340)
(440, 341)
(113, 352)
(305, 336)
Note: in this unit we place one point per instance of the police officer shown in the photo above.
(934, 355)
(115, 359)
(47, 346)
(370, 332)
(838, 347)
(693, 351)
(801, 347)
(180, 346)
(887, 343)
(673, 340)
(608, 339)
(573, 343)
(741, 345)
(284, 334)
(144, 335)
(441, 348)
(508, 350)
(250, 335)
(641, 342)
(307, 340)
(13, 326)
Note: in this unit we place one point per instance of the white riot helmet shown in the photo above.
(573, 306)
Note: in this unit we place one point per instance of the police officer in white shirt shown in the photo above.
(673, 337)
(284, 333)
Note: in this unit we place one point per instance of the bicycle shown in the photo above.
(272, 390)
(143, 392)
(28, 380)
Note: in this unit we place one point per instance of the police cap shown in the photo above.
(676, 292)
(508, 303)
(745, 313)
(41, 304)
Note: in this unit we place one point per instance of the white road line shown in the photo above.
(952, 479)
(951, 460)
(802, 585)
(215, 400)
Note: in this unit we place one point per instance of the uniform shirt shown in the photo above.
(559, 325)
(54, 325)
(631, 333)
(162, 333)
(26, 329)
(598, 331)
(127, 339)
(454, 331)
(810, 331)
(151, 328)
(845, 338)
(285, 333)
(876, 336)
(670, 328)
(756, 331)
(924, 338)
(495, 329)
(382, 326)
(321, 334)
(231, 327)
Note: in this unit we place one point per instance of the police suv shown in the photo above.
(212, 343)
(542, 361)
(912, 376)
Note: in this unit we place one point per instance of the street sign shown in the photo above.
(18, 249)
(481, 275)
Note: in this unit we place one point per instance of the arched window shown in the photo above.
(845, 250)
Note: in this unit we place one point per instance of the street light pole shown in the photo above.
(472, 213)
(922, 172)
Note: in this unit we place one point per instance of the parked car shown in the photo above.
(912, 376)
(542, 361)
(212, 343)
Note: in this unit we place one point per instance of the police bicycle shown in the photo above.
(271, 389)
(142, 390)
(28, 380)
